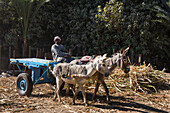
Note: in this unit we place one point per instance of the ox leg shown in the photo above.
(84, 94)
(57, 91)
(75, 95)
(95, 91)
(67, 89)
(55, 94)
(106, 90)
(73, 89)
(62, 86)
(80, 88)
(84, 97)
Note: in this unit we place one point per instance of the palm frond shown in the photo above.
(27, 9)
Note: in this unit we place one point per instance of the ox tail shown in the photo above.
(80, 76)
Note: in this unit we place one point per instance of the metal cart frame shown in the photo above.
(39, 73)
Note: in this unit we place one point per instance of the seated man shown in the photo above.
(58, 51)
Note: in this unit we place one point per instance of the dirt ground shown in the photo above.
(41, 100)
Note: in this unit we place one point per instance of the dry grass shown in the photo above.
(141, 84)
(140, 78)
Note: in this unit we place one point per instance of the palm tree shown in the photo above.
(27, 10)
(163, 17)
(163, 14)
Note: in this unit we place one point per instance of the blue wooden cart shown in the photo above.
(37, 73)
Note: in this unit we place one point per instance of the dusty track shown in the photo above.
(41, 100)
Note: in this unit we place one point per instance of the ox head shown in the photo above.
(120, 59)
(101, 64)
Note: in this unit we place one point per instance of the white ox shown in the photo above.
(64, 72)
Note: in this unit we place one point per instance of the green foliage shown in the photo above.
(168, 3)
(98, 25)
(26, 10)
(163, 16)
(8, 23)
(71, 20)
(110, 14)
(102, 26)
(144, 25)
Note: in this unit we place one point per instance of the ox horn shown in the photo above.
(105, 57)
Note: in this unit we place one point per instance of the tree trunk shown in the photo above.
(25, 47)
(16, 47)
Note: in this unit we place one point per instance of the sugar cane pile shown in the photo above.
(141, 78)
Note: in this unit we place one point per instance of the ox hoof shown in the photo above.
(62, 102)
(54, 99)
(94, 100)
(108, 100)
(86, 104)
(74, 103)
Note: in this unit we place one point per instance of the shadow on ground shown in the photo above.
(129, 106)
(126, 104)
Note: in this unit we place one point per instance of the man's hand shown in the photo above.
(68, 55)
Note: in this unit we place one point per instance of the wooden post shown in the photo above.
(139, 59)
(43, 53)
(132, 57)
(40, 53)
(29, 51)
(45, 56)
(70, 51)
(0, 57)
(13, 53)
(9, 52)
(23, 51)
(13, 65)
(113, 51)
(99, 52)
(37, 53)
(43, 50)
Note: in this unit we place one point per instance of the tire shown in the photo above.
(24, 84)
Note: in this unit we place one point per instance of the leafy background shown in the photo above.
(100, 25)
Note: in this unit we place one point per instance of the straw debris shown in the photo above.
(140, 78)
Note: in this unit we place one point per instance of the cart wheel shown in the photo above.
(24, 84)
